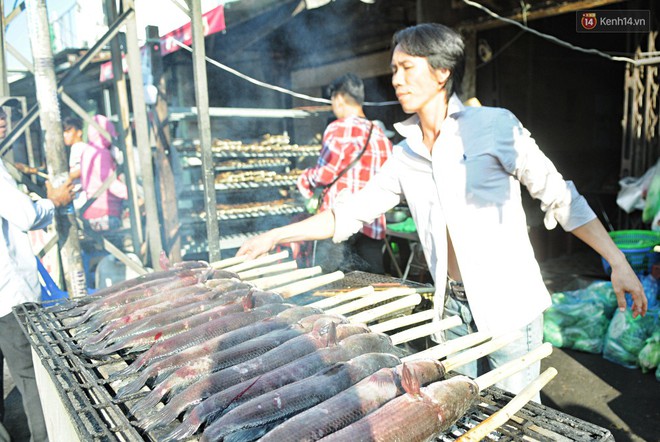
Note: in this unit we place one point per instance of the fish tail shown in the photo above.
(134, 385)
(150, 400)
(100, 336)
(163, 374)
(187, 428)
(166, 415)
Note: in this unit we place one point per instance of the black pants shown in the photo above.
(15, 349)
(359, 252)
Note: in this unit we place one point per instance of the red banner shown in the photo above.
(213, 21)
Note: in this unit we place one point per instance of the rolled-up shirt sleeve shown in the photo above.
(560, 199)
(379, 195)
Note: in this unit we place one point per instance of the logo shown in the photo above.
(588, 20)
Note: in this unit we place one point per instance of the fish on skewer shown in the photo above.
(203, 359)
(144, 281)
(250, 420)
(302, 346)
(222, 318)
(160, 357)
(371, 393)
(425, 412)
(226, 400)
(130, 326)
(140, 308)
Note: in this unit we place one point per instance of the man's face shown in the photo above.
(416, 84)
(72, 136)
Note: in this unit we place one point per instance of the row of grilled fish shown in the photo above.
(242, 364)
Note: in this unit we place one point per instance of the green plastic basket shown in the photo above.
(638, 246)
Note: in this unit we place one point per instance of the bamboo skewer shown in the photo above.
(403, 321)
(266, 259)
(502, 372)
(500, 417)
(286, 278)
(370, 300)
(299, 287)
(223, 263)
(425, 330)
(275, 268)
(480, 351)
(390, 307)
(343, 297)
(449, 347)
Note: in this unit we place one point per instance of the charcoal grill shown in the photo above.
(79, 401)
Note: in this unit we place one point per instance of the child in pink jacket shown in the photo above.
(96, 165)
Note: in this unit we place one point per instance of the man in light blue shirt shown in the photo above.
(19, 282)
(461, 170)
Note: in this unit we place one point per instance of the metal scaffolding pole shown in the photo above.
(142, 135)
(58, 165)
(125, 133)
(204, 124)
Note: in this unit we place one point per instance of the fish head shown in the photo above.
(367, 342)
(451, 398)
(317, 320)
(297, 314)
(262, 297)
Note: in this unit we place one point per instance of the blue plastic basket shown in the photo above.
(638, 246)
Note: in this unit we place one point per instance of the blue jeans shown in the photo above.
(532, 338)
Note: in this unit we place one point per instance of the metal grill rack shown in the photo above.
(87, 398)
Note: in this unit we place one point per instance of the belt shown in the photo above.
(456, 290)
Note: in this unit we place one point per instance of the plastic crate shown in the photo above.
(638, 246)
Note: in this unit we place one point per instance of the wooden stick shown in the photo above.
(260, 271)
(228, 262)
(425, 330)
(377, 297)
(504, 371)
(299, 287)
(449, 347)
(383, 310)
(505, 413)
(480, 351)
(286, 278)
(266, 259)
(403, 321)
(343, 297)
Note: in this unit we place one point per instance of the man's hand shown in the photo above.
(62, 195)
(624, 280)
(24, 168)
(258, 245)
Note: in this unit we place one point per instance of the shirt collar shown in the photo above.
(409, 128)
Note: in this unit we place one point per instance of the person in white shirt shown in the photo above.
(460, 170)
(19, 283)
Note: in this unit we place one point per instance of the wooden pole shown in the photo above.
(56, 157)
(142, 135)
(204, 126)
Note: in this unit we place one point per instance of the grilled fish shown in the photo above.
(252, 419)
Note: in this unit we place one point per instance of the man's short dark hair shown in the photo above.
(349, 85)
(72, 122)
(440, 45)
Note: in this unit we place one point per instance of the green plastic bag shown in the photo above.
(626, 336)
(649, 355)
(652, 198)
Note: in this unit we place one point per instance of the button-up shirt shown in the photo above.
(19, 281)
(343, 140)
(468, 187)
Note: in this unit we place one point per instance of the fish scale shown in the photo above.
(164, 366)
(353, 404)
(292, 350)
(253, 418)
(224, 401)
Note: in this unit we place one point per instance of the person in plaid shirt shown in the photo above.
(343, 140)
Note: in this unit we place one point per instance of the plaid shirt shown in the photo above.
(343, 141)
